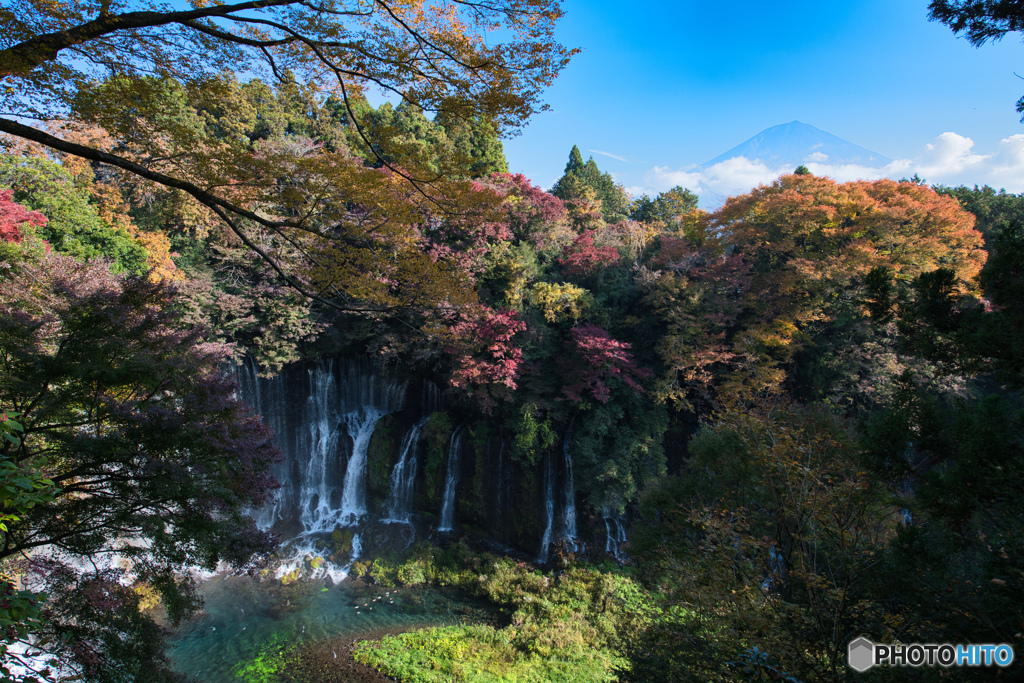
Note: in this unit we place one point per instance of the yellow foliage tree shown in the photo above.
(559, 301)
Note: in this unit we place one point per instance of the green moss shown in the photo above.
(412, 573)
(270, 661)
(439, 433)
(383, 572)
(568, 627)
(379, 455)
(341, 540)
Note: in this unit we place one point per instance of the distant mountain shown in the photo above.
(795, 143)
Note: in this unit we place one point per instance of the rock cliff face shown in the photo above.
(373, 462)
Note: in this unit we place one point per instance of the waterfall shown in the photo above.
(615, 534)
(404, 476)
(353, 495)
(549, 508)
(365, 400)
(451, 481)
(569, 491)
(267, 398)
(317, 487)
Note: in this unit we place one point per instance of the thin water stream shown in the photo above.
(243, 617)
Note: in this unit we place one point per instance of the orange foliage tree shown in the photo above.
(806, 244)
(109, 64)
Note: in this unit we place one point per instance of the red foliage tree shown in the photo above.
(14, 215)
(593, 359)
(582, 258)
(488, 362)
(531, 210)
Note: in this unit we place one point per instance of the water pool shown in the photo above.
(243, 617)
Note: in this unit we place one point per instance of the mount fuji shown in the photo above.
(794, 143)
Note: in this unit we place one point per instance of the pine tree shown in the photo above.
(575, 165)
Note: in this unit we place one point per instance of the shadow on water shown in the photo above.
(244, 617)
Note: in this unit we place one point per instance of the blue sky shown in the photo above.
(665, 86)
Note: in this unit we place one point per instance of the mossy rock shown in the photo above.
(379, 454)
(341, 540)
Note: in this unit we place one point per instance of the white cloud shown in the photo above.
(949, 159)
(949, 155)
(609, 154)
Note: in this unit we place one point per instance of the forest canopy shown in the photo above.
(804, 404)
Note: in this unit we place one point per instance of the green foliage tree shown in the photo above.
(149, 454)
(580, 177)
(74, 226)
(993, 210)
(770, 536)
(668, 207)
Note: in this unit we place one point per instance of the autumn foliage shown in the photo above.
(582, 258)
(488, 359)
(593, 359)
(13, 215)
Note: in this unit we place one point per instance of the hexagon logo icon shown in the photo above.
(861, 653)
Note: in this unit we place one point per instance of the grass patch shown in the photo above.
(478, 654)
(560, 626)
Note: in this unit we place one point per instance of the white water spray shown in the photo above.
(615, 534)
(451, 481)
(404, 476)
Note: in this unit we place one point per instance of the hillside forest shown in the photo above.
(805, 406)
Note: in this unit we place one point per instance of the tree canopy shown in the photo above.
(137, 70)
(146, 453)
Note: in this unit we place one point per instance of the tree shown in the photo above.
(575, 164)
(93, 63)
(810, 242)
(770, 537)
(593, 359)
(14, 215)
(579, 177)
(669, 206)
(150, 456)
(980, 21)
(583, 259)
(994, 210)
(73, 225)
(489, 371)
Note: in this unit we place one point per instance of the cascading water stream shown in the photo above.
(353, 493)
(615, 534)
(569, 493)
(404, 476)
(451, 481)
(317, 485)
(549, 508)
